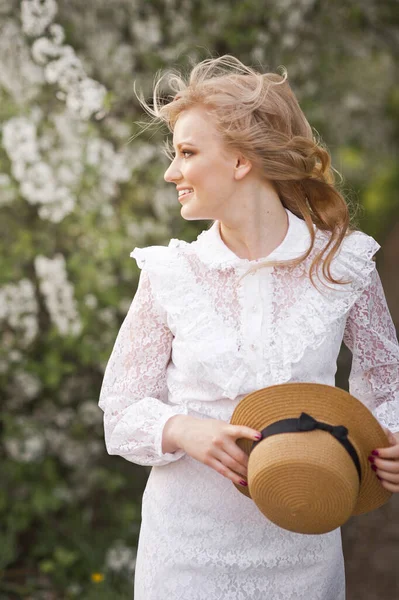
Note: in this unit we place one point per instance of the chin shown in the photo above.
(193, 213)
(190, 214)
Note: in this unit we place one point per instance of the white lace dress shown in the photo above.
(197, 339)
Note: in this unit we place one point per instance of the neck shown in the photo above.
(257, 234)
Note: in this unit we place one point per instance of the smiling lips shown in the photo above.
(184, 193)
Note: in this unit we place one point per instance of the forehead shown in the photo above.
(195, 125)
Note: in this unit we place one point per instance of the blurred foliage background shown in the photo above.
(76, 197)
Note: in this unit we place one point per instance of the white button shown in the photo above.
(255, 306)
(253, 346)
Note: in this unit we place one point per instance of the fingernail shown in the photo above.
(378, 477)
(374, 467)
(242, 482)
(375, 453)
(371, 459)
(258, 437)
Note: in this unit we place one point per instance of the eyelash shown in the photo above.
(183, 152)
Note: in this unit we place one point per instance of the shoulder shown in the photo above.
(162, 260)
(359, 244)
(354, 260)
(357, 251)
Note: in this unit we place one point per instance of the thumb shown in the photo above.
(391, 438)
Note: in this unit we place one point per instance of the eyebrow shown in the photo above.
(180, 144)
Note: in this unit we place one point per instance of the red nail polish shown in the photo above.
(242, 482)
(374, 467)
(371, 459)
(259, 437)
(375, 453)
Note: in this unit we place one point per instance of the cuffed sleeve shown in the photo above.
(371, 337)
(134, 394)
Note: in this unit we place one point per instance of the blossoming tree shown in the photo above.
(76, 197)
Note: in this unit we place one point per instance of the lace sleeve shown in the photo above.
(371, 337)
(133, 394)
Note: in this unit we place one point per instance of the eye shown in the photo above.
(186, 152)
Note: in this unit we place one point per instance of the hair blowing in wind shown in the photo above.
(259, 115)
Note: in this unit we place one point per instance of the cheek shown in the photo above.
(209, 176)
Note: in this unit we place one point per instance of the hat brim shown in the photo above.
(325, 403)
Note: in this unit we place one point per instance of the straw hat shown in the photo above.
(310, 472)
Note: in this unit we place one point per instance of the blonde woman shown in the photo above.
(264, 296)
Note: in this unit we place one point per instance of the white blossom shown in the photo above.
(63, 418)
(55, 439)
(86, 98)
(90, 414)
(57, 33)
(107, 211)
(147, 32)
(91, 301)
(75, 589)
(58, 294)
(120, 557)
(139, 231)
(19, 75)
(63, 204)
(165, 202)
(74, 454)
(19, 140)
(95, 448)
(36, 15)
(44, 49)
(7, 191)
(18, 307)
(118, 128)
(113, 167)
(15, 356)
(24, 386)
(39, 184)
(28, 445)
(98, 152)
(67, 71)
(107, 315)
(141, 155)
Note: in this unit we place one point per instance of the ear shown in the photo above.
(242, 167)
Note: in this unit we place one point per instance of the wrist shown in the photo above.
(171, 441)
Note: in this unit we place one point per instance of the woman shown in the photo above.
(213, 320)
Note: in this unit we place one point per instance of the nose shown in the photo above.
(172, 173)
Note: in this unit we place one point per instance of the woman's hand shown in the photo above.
(385, 463)
(213, 443)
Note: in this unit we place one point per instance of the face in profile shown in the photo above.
(202, 168)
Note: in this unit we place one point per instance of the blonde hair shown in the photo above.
(259, 115)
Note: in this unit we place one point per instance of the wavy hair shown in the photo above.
(259, 115)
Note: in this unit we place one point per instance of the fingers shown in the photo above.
(391, 487)
(238, 466)
(391, 452)
(226, 457)
(240, 431)
(388, 466)
(225, 471)
(389, 477)
(387, 471)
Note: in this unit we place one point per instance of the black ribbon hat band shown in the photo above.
(307, 423)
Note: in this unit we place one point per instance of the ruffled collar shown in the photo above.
(212, 250)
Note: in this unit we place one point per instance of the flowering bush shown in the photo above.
(76, 198)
